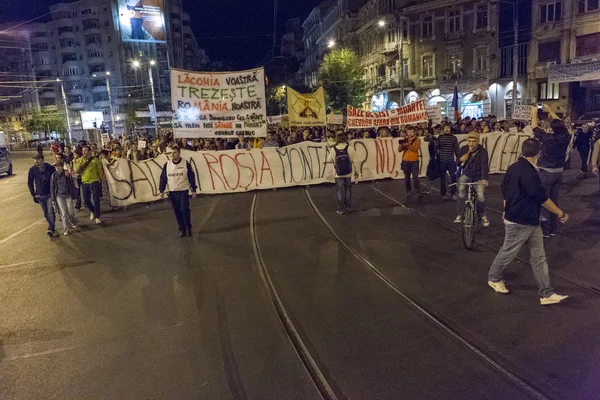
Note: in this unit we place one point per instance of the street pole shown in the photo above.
(401, 57)
(515, 57)
(153, 101)
(112, 115)
(64, 97)
(37, 95)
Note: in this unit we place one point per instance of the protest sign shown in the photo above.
(306, 109)
(218, 104)
(297, 165)
(522, 112)
(141, 144)
(335, 119)
(412, 113)
(435, 114)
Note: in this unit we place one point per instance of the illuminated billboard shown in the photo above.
(89, 117)
(142, 20)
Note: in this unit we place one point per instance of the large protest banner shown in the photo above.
(300, 164)
(306, 109)
(412, 113)
(575, 72)
(218, 104)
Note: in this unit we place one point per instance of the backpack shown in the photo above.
(343, 166)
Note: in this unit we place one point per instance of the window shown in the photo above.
(391, 34)
(81, 56)
(428, 71)
(548, 52)
(106, 23)
(94, 53)
(587, 45)
(404, 29)
(482, 16)
(110, 53)
(550, 12)
(548, 91)
(427, 27)
(481, 59)
(454, 25)
(405, 67)
(109, 38)
(454, 62)
(587, 5)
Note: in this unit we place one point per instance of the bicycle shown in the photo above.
(470, 217)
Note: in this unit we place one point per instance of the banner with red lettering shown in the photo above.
(412, 113)
(296, 165)
(218, 104)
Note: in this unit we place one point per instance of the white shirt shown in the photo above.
(177, 176)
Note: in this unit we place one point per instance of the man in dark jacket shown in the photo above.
(474, 162)
(524, 196)
(583, 142)
(38, 181)
(61, 191)
(448, 150)
(552, 163)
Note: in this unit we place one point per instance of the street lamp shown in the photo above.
(112, 115)
(137, 64)
(331, 43)
(64, 97)
(381, 23)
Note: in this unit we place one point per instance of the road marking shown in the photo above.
(15, 197)
(24, 263)
(21, 231)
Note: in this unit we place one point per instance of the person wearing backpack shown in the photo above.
(342, 157)
(410, 160)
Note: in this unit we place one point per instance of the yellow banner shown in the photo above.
(306, 109)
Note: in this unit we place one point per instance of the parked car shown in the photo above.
(5, 161)
(587, 118)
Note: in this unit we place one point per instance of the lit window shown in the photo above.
(428, 71)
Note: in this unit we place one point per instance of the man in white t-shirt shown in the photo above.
(179, 176)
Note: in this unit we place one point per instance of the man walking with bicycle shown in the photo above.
(524, 196)
(474, 166)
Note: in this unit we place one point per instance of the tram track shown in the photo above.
(525, 386)
(311, 366)
(590, 288)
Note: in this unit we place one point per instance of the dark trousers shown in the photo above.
(411, 168)
(77, 193)
(180, 202)
(91, 197)
(450, 167)
(551, 182)
(584, 153)
(343, 187)
(46, 204)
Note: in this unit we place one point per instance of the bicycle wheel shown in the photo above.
(468, 226)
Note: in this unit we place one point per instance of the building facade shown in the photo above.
(564, 32)
(292, 44)
(80, 49)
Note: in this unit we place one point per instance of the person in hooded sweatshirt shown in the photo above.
(61, 192)
(38, 181)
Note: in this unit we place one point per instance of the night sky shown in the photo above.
(250, 22)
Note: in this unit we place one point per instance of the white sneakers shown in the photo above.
(554, 299)
(485, 221)
(91, 216)
(458, 219)
(499, 287)
(98, 222)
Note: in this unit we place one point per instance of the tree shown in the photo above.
(342, 77)
(46, 122)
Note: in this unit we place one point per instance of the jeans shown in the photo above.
(180, 202)
(551, 182)
(344, 193)
(515, 237)
(77, 193)
(450, 167)
(91, 194)
(67, 211)
(584, 153)
(46, 204)
(462, 196)
(411, 168)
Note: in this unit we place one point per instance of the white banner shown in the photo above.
(218, 104)
(522, 112)
(435, 114)
(297, 165)
(575, 72)
(335, 119)
(412, 113)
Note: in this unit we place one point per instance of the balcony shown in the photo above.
(49, 108)
(92, 29)
(102, 104)
(48, 94)
(77, 105)
(43, 67)
(70, 64)
(99, 88)
(39, 39)
(95, 60)
(68, 50)
(66, 35)
(75, 91)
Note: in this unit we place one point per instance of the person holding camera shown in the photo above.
(410, 160)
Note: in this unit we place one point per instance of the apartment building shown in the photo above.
(80, 48)
(565, 33)
(292, 44)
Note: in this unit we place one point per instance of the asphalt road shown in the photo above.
(277, 297)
